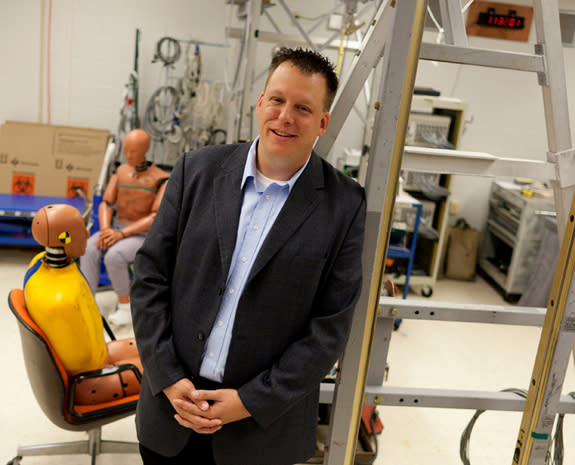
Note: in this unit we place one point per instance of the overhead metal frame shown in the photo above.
(251, 34)
(454, 24)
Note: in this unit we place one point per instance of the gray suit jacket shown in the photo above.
(292, 320)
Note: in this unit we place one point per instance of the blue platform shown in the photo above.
(17, 211)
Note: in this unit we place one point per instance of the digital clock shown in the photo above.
(510, 21)
(503, 21)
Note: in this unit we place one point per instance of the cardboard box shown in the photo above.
(42, 159)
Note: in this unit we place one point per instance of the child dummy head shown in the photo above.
(62, 226)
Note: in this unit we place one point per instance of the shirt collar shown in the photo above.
(250, 167)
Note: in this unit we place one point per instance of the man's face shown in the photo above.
(290, 118)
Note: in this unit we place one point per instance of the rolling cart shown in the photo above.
(400, 250)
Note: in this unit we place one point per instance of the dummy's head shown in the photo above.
(61, 225)
(136, 144)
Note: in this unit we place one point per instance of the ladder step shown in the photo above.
(448, 161)
(482, 57)
(444, 398)
(471, 313)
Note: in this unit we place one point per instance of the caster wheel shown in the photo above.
(15, 461)
(427, 292)
(397, 323)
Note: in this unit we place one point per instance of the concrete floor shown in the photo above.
(422, 354)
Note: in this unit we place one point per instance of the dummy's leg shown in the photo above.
(90, 262)
(116, 260)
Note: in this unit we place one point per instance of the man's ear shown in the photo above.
(260, 100)
(324, 123)
(259, 103)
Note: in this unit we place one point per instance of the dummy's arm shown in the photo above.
(143, 224)
(106, 208)
(106, 213)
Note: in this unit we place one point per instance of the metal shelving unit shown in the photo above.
(443, 108)
(512, 237)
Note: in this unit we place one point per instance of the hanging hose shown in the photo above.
(167, 59)
(557, 443)
(466, 435)
(187, 116)
(160, 111)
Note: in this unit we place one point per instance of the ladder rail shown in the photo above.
(402, 42)
(554, 90)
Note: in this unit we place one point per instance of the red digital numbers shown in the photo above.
(504, 21)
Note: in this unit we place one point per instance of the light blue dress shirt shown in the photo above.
(262, 201)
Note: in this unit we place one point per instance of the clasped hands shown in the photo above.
(108, 237)
(204, 411)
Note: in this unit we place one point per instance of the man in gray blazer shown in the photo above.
(246, 283)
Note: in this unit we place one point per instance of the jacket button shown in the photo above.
(201, 336)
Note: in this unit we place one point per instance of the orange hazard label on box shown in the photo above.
(77, 184)
(23, 183)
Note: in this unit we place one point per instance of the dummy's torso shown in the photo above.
(137, 192)
(62, 305)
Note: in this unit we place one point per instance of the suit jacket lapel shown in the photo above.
(302, 200)
(228, 197)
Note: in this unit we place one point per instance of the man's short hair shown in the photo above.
(309, 62)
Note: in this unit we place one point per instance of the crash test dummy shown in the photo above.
(60, 301)
(127, 210)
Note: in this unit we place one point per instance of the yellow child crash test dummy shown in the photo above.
(57, 295)
(61, 303)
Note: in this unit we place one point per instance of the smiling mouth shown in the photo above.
(281, 134)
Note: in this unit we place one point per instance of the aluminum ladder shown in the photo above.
(395, 37)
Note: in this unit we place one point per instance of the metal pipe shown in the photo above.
(271, 20)
(297, 24)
